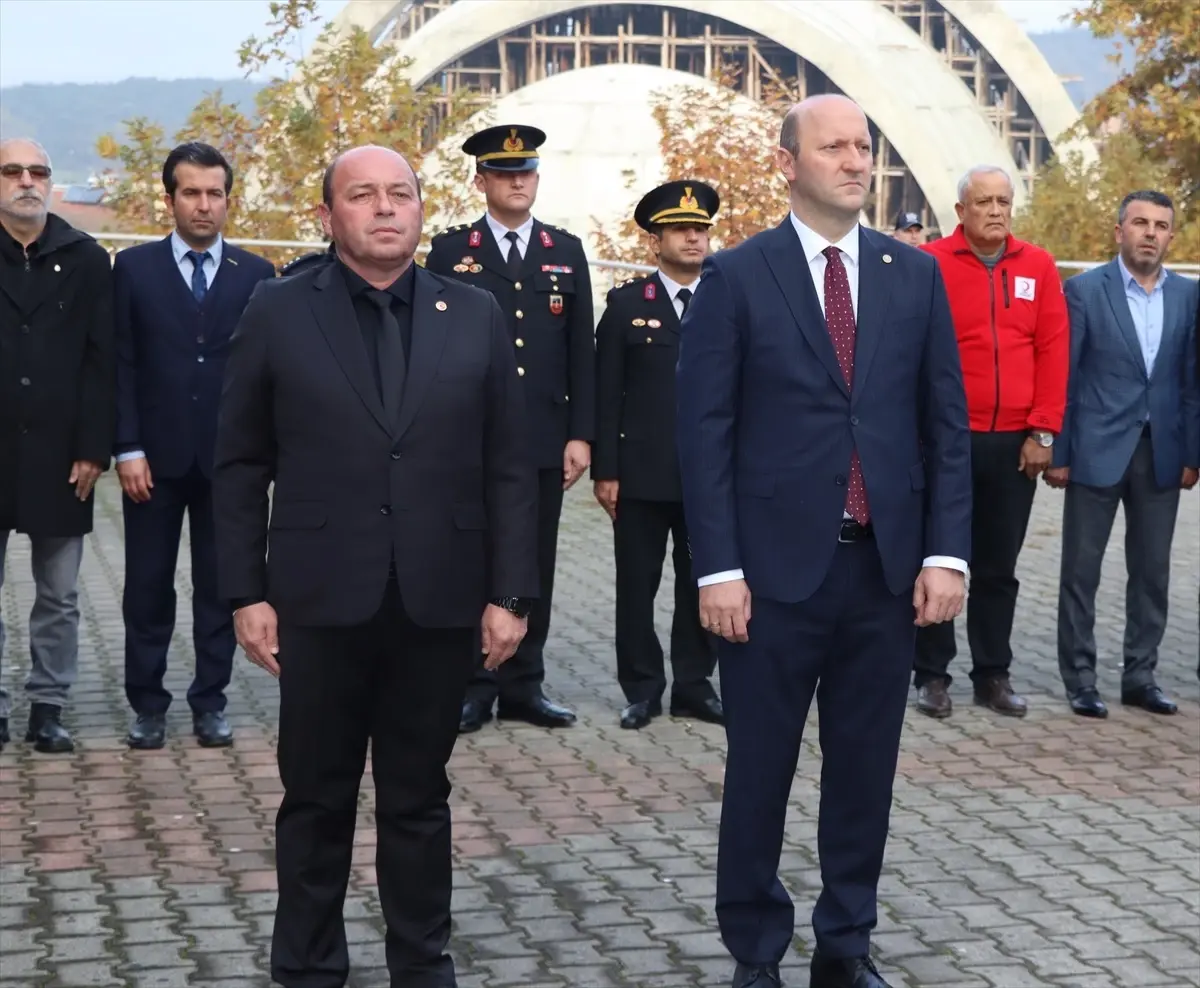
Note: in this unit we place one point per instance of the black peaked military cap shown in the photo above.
(686, 201)
(507, 149)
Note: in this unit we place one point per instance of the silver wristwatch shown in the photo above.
(1042, 438)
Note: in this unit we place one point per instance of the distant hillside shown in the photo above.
(1077, 53)
(69, 118)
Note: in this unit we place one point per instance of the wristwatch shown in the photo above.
(1042, 438)
(520, 606)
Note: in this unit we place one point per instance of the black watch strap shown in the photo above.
(520, 606)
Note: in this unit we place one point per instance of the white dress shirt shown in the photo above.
(674, 288)
(814, 246)
(500, 232)
(212, 264)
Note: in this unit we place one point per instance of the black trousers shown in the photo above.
(520, 678)
(399, 687)
(849, 645)
(640, 543)
(152, 532)
(1003, 499)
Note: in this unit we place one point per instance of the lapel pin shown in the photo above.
(887, 258)
(230, 260)
(440, 305)
(475, 239)
(475, 268)
(57, 268)
(653, 323)
(639, 322)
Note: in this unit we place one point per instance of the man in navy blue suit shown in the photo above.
(825, 458)
(177, 303)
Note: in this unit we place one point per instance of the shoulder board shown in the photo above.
(307, 261)
(559, 229)
(631, 283)
(451, 229)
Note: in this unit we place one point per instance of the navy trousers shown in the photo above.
(152, 532)
(851, 645)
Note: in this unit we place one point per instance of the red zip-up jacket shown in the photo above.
(1013, 334)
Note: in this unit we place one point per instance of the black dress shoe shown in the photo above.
(849, 972)
(638, 715)
(212, 730)
(46, 732)
(708, 710)
(536, 710)
(475, 713)
(757, 976)
(4, 735)
(1087, 703)
(148, 733)
(1149, 698)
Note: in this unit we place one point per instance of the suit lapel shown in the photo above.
(534, 253)
(1120, 306)
(785, 257)
(874, 294)
(1173, 315)
(430, 324)
(335, 315)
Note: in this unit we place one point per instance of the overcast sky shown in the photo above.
(108, 40)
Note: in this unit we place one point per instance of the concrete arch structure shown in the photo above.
(930, 119)
(1025, 66)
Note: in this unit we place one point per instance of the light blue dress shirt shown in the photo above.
(1146, 311)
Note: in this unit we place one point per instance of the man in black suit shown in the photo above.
(384, 404)
(177, 302)
(635, 470)
(539, 275)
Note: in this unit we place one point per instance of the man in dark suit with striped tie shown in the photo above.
(177, 303)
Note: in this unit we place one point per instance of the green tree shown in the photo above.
(348, 92)
(1158, 99)
(1074, 205)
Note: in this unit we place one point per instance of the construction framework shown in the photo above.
(701, 44)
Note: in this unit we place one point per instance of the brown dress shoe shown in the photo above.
(933, 700)
(996, 693)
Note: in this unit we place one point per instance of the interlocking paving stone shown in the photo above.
(1048, 852)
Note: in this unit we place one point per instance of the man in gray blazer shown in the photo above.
(1131, 436)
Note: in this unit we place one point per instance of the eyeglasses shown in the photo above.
(41, 172)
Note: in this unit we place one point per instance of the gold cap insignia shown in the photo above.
(688, 201)
(513, 142)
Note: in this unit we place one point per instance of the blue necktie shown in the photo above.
(199, 282)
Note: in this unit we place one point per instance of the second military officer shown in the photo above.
(636, 470)
(539, 275)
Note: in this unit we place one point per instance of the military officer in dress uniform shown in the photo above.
(539, 275)
(635, 470)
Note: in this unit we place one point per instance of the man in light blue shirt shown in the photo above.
(1132, 437)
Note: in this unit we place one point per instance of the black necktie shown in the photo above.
(199, 282)
(684, 296)
(514, 253)
(390, 349)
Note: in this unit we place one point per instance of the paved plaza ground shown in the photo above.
(1050, 851)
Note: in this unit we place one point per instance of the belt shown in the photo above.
(852, 531)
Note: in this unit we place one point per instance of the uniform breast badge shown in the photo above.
(556, 305)
(475, 239)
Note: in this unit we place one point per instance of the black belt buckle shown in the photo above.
(852, 531)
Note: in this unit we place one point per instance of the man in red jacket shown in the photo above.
(1010, 317)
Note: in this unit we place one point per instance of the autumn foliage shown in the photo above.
(347, 92)
(715, 135)
(1074, 206)
(1158, 100)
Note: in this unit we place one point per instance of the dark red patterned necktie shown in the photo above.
(839, 317)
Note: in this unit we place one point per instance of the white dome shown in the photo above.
(599, 132)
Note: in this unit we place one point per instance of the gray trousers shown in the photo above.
(1088, 515)
(53, 622)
